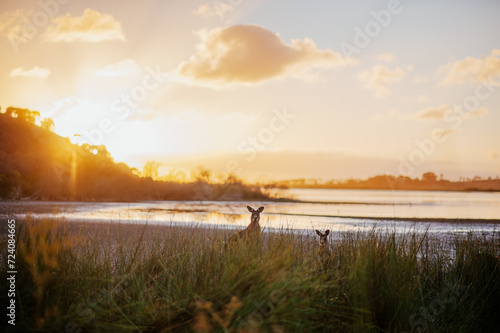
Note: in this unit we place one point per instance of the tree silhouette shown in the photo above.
(23, 114)
(150, 169)
(429, 177)
(202, 174)
(47, 124)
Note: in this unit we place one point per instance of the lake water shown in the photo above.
(337, 210)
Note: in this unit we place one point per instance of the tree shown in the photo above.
(429, 177)
(23, 114)
(47, 124)
(202, 174)
(150, 169)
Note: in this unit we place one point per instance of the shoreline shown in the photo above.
(74, 225)
(193, 224)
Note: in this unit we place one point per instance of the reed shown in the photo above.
(133, 278)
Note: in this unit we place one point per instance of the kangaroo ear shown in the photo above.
(260, 209)
(319, 233)
(250, 209)
(327, 232)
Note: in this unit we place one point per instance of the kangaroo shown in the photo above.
(253, 229)
(324, 253)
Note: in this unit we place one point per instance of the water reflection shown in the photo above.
(337, 210)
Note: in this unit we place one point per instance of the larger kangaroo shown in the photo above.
(253, 229)
(324, 253)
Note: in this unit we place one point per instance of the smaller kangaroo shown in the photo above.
(324, 253)
(253, 229)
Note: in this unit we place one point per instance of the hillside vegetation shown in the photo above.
(41, 165)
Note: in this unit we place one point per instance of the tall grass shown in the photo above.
(128, 278)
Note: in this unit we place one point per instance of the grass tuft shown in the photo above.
(132, 278)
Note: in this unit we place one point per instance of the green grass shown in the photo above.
(128, 278)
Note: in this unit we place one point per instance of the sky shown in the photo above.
(264, 89)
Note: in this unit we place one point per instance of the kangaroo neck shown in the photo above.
(253, 225)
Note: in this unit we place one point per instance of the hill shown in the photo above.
(38, 164)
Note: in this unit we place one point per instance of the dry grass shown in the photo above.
(166, 279)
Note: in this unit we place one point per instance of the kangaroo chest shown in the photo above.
(253, 228)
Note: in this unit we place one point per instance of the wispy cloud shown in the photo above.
(249, 54)
(10, 20)
(430, 114)
(35, 72)
(442, 133)
(481, 112)
(213, 9)
(440, 113)
(91, 26)
(379, 77)
(122, 68)
(433, 114)
(472, 69)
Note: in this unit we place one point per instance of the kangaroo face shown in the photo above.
(255, 214)
(323, 238)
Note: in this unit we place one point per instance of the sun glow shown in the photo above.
(198, 82)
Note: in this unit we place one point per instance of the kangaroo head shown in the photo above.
(255, 214)
(323, 238)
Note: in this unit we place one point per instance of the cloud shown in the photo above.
(9, 20)
(92, 26)
(481, 112)
(63, 105)
(387, 57)
(442, 133)
(214, 9)
(122, 68)
(439, 113)
(249, 54)
(472, 69)
(433, 114)
(13, 25)
(35, 72)
(379, 77)
(146, 114)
